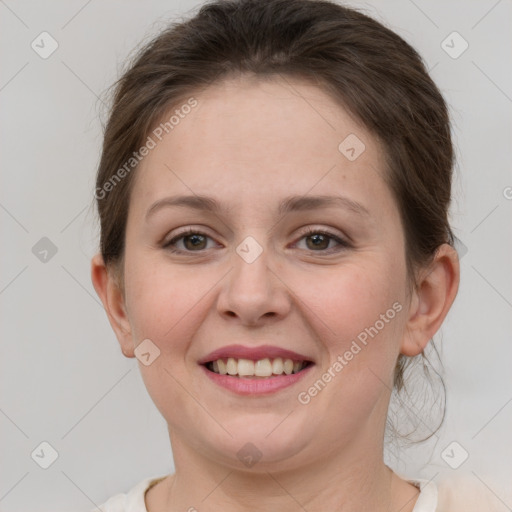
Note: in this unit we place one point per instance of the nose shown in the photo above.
(254, 291)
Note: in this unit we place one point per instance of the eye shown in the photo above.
(321, 239)
(194, 241)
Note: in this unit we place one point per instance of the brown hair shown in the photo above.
(377, 76)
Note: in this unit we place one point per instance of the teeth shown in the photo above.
(221, 365)
(261, 368)
(232, 366)
(245, 367)
(277, 366)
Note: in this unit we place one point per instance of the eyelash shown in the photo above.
(309, 232)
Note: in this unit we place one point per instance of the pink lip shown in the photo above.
(256, 386)
(253, 353)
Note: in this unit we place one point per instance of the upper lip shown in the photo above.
(254, 353)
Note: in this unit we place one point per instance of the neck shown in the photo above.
(341, 482)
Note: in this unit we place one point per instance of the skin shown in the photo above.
(250, 144)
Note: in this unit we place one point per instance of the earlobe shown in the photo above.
(113, 301)
(433, 298)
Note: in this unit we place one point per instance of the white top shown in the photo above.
(133, 501)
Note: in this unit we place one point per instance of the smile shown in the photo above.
(256, 378)
(262, 368)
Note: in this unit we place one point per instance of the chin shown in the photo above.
(262, 443)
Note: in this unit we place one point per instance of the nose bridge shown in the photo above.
(251, 262)
(252, 288)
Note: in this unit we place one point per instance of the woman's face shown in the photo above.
(254, 277)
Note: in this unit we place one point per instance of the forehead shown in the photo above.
(253, 141)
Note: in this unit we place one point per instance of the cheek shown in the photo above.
(362, 312)
(360, 345)
(353, 299)
(165, 306)
(163, 303)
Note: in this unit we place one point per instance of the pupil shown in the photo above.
(196, 239)
(317, 238)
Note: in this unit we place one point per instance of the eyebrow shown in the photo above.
(290, 204)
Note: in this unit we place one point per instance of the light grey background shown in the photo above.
(63, 377)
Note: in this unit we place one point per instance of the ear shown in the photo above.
(109, 292)
(431, 301)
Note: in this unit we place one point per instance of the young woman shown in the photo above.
(273, 195)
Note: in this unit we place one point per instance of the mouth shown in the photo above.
(266, 368)
(257, 370)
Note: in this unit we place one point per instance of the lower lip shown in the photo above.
(256, 386)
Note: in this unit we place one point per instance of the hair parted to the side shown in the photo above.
(369, 69)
